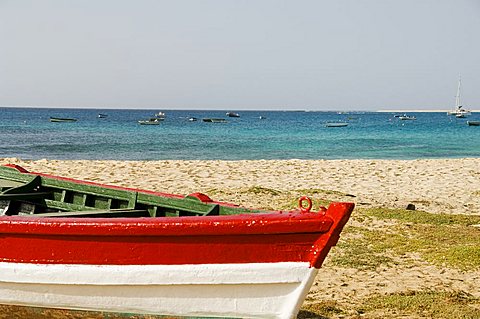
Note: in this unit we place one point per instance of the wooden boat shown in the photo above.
(62, 119)
(151, 121)
(215, 120)
(473, 123)
(71, 244)
(336, 124)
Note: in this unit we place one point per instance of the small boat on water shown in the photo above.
(62, 119)
(102, 116)
(406, 117)
(473, 123)
(150, 121)
(459, 111)
(232, 114)
(77, 245)
(214, 120)
(160, 115)
(192, 119)
(336, 124)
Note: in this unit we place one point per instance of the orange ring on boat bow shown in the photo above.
(309, 204)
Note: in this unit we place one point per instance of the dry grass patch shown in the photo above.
(442, 239)
(361, 249)
(423, 304)
(321, 310)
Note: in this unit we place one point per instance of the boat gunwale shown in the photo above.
(241, 224)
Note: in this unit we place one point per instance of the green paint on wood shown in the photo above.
(50, 195)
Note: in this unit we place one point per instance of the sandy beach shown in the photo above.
(449, 186)
(432, 185)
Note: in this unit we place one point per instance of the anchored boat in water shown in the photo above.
(473, 123)
(71, 244)
(62, 119)
(406, 117)
(151, 121)
(336, 124)
(459, 111)
(232, 114)
(214, 120)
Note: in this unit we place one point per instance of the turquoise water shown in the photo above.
(27, 133)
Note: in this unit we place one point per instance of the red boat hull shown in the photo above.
(279, 237)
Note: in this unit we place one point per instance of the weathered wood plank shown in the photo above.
(96, 213)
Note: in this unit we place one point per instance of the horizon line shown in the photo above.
(234, 109)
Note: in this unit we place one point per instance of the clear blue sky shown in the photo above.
(234, 54)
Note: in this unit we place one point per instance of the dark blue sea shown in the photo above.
(27, 133)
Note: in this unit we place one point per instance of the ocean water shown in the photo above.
(27, 133)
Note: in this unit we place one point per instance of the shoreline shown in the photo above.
(432, 185)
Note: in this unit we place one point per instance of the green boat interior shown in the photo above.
(45, 196)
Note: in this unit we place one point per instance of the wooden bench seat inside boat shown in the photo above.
(97, 213)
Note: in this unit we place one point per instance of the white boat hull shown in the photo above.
(336, 124)
(264, 290)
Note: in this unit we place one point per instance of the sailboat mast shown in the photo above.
(457, 97)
